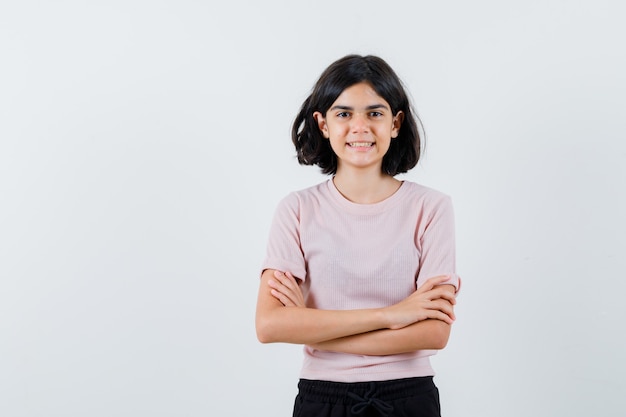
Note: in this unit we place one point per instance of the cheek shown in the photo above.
(335, 132)
(336, 145)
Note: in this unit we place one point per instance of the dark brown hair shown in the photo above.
(313, 149)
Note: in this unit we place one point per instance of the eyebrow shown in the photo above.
(371, 107)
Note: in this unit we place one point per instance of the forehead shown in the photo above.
(360, 95)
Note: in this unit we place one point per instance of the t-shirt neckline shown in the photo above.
(372, 208)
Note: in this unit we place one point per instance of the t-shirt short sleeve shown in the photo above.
(435, 239)
(284, 251)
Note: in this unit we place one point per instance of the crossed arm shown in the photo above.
(420, 321)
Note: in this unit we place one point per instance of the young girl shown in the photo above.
(360, 269)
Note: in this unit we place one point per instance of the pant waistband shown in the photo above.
(334, 392)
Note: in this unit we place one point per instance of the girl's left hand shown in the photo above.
(286, 289)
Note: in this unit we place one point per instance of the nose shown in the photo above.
(359, 123)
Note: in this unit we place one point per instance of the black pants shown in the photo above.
(410, 397)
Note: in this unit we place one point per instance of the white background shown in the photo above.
(145, 144)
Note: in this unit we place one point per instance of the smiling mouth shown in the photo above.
(360, 144)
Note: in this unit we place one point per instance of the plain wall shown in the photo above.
(145, 144)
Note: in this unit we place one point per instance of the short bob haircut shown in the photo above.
(313, 149)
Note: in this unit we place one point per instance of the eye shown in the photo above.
(343, 114)
(376, 114)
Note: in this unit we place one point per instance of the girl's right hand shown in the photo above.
(430, 301)
(286, 289)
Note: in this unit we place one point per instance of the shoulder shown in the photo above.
(426, 196)
(305, 197)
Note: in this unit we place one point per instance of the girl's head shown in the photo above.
(314, 149)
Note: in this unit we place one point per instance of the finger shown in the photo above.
(282, 282)
(297, 291)
(279, 275)
(281, 292)
(430, 283)
(286, 279)
(286, 301)
(440, 292)
(440, 315)
(442, 302)
(444, 294)
(289, 285)
(444, 317)
(292, 278)
(444, 307)
(277, 288)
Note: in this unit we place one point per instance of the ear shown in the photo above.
(397, 123)
(321, 123)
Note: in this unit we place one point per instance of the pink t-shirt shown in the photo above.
(355, 256)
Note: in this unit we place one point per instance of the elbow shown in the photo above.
(264, 332)
(264, 337)
(441, 335)
(440, 343)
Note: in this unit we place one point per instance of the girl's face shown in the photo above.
(360, 127)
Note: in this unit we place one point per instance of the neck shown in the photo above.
(365, 187)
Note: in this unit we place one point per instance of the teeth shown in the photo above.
(358, 144)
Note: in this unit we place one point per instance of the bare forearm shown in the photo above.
(282, 316)
(309, 326)
(277, 323)
(427, 334)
